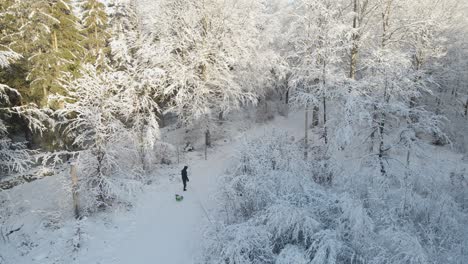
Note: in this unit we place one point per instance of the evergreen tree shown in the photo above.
(46, 34)
(125, 34)
(14, 156)
(61, 52)
(13, 17)
(50, 39)
(95, 23)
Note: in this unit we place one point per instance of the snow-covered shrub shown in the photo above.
(326, 248)
(407, 217)
(115, 177)
(241, 243)
(273, 190)
(289, 224)
(264, 163)
(291, 254)
(403, 248)
(418, 205)
(276, 152)
(164, 153)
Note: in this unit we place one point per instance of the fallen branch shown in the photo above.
(8, 184)
(14, 230)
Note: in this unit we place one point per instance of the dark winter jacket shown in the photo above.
(184, 174)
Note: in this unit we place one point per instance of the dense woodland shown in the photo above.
(382, 85)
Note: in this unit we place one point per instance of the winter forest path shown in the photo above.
(167, 231)
(162, 230)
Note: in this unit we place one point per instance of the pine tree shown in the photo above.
(95, 23)
(46, 33)
(13, 16)
(53, 36)
(8, 21)
(125, 34)
(14, 156)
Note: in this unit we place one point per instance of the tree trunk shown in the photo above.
(408, 153)
(354, 49)
(143, 158)
(386, 22)
(178, 154)
(437, 110)
(325, 135)
(55, 41)
(45, 93)
(454, 92)
(381, 125)
(371, 141)
(74, 177)
(28, 135)
(208, 138)
(97, 42)
(324, 82)
(306, 129)
(466, 108)
(381, 129)
(45, 101)
(315, 116)
(206, 151)
(381, 145)
(207, 142)
(286, 88)
(100, 158)
(417, 62)
(161, 120)
(142, 150)
(412, 104)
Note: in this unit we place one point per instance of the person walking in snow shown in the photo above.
(185, 177)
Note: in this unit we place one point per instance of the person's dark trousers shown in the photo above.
(185, 185)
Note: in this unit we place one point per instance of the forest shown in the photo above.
(314, 131)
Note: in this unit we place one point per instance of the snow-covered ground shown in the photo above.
(157, 229)
(162, 230)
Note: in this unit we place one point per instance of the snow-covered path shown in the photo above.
(161, 230)
(167, 231)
